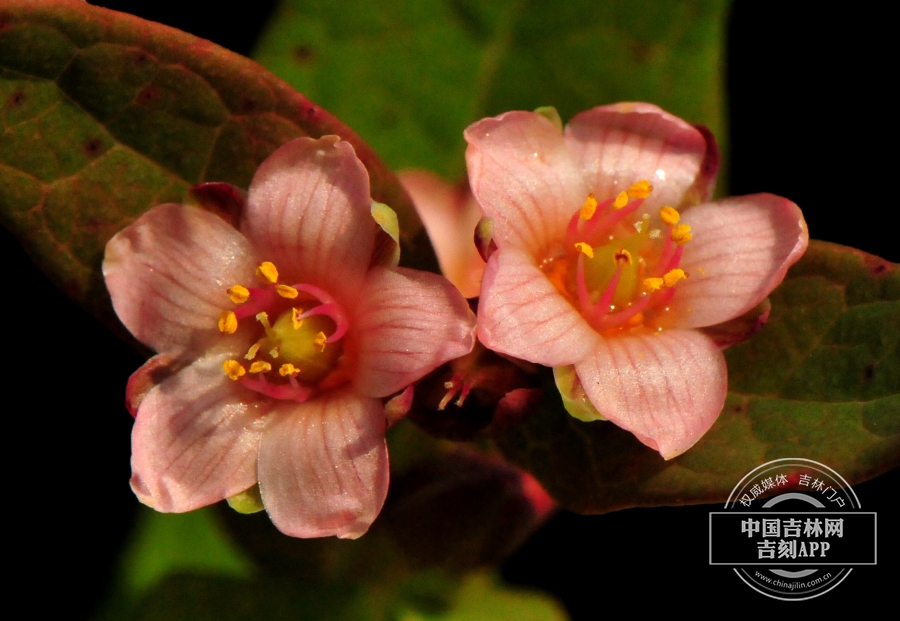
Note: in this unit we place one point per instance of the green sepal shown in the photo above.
(387, 245)
(574, 400)
(551, 114)
(247, 502)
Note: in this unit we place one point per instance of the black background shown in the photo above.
(809, 120)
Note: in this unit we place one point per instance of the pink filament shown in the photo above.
(261, 298)
(329, 308)
(595, 313)
(336, 313)
(293, 390)
(603, 221)
(670, 257)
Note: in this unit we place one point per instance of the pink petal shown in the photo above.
(168, 274)
(740, 251)
(195, 439)
(153, 372)
(522, 314)
(323, 466)
(620, 144)
(666, 388)
(409, 323)
(309, 212)
(450, 214)
(524, 177)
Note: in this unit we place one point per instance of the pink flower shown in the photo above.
(610, 260)
(276, 344)
(449, 214)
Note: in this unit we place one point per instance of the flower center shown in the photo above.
(301, 351)
(620, 268)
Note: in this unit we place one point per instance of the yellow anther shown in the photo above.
(635, 321)
(320, 341)
(669, 216)
(681, 234)
(622, 256)
(260, 366)
(239, 294)
(653, 284)
(288, 369)
(589, 207)
(263, 318)
(621, 200)
(251, 353)
(228, 322)
(233, 369)
(641, 189)
(296, 320)
(286, 291)
(673, 276)
(274, 352)
(267, 272)
(585, 249)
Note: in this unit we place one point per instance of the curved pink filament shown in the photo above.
(617, 318)
(608, 219)
(292, 391)
(672, 263)
(584, 296)
(336, 313)
(315, 291)
(261, 299)
(607, 297)
(572, 229)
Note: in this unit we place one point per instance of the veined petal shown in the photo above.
(521, 314)
(741, 249)
(620, 144)
(409, 324)
(523, 176)
(323, 465)
(195, 439)
(309, 212)
(168, 274)
(450, 214)
(667, 388)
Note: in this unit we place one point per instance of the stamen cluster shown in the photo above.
(624, 272)
(303, 343)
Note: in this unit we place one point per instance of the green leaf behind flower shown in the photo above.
(410, 75)
(820, 381)
(105, 115)
(188, 567)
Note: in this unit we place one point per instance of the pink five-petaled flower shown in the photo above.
(609, 259)
(280, 340)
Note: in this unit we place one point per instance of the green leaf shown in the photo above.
(167, 543)
(274, 598)
(483, 597)
(410, 75)
(820, 381)
(186, 566)
(105, 115)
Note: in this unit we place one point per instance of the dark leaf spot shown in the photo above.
(93, 146)
(148, 95)
(641, 51)
(869, 373)
(248, 105)
(304, 54)
(17, 98)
